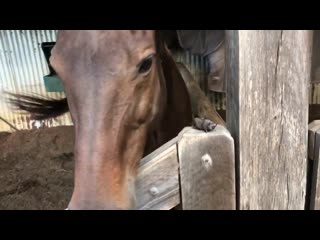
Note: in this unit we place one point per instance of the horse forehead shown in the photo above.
(128, 35)
(112, 44)
(100, 50)
(120, 38)
(130, 40)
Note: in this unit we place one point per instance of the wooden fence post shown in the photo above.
(207, 170)
(268, 74)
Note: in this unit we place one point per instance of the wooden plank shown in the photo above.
(268, 74)
(207, 170)
(157, 186)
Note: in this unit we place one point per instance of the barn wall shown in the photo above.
(22, 68)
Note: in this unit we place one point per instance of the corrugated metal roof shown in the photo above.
(22, 68)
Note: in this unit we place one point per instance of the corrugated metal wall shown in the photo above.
(22, 68)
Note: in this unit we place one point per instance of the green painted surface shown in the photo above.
(53, 84)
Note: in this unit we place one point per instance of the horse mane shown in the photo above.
(40, 108)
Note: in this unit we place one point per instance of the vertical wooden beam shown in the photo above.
(268, 74)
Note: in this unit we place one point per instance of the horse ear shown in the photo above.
(161, 44)
(173, 80)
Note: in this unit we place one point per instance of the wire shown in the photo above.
(1, 118)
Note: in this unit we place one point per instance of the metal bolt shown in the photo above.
(154, 191)
(206, 161)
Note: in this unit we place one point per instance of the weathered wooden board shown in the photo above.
(158, 179)
(268, 75)
(207, 169)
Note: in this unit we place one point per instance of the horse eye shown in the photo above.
(145, 65)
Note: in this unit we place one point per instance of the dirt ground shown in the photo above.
(36, 169)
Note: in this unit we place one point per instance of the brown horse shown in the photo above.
(126, 98)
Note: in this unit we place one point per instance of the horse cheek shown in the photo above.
(143, 111)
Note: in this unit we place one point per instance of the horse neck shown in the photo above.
(177, 112)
